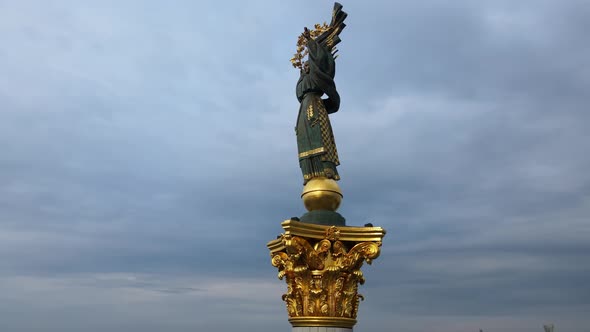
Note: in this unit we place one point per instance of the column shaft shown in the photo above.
(320, 329)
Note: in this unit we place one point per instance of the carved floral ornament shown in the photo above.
(322, 275)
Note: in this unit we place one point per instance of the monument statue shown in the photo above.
(318, 255)
(315, 141)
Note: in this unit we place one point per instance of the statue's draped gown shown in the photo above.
(315, 141)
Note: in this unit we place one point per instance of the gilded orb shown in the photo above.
(321, 194)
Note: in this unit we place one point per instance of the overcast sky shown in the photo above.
(148, 155)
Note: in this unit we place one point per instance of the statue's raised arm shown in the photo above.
(324, 35)
(331, 37)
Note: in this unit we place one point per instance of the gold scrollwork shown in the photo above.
(322, 277)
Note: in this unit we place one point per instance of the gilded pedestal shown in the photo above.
(322, 267)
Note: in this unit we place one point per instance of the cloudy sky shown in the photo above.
(148, 154)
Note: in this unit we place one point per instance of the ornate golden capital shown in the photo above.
(322, 267)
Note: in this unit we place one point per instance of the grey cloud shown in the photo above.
(158, 140)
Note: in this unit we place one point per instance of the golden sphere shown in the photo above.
(321, 194)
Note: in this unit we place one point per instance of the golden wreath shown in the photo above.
(298, 58)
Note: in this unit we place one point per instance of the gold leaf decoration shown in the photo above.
(299, 57)
(323, 275)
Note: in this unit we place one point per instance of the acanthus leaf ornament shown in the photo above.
(323, 273)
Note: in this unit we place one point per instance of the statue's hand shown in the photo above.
(306, 33)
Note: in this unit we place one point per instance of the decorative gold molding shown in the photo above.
(347, 233)
(322, 321)
(323, 272)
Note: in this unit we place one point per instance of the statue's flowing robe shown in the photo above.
(315, 141)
